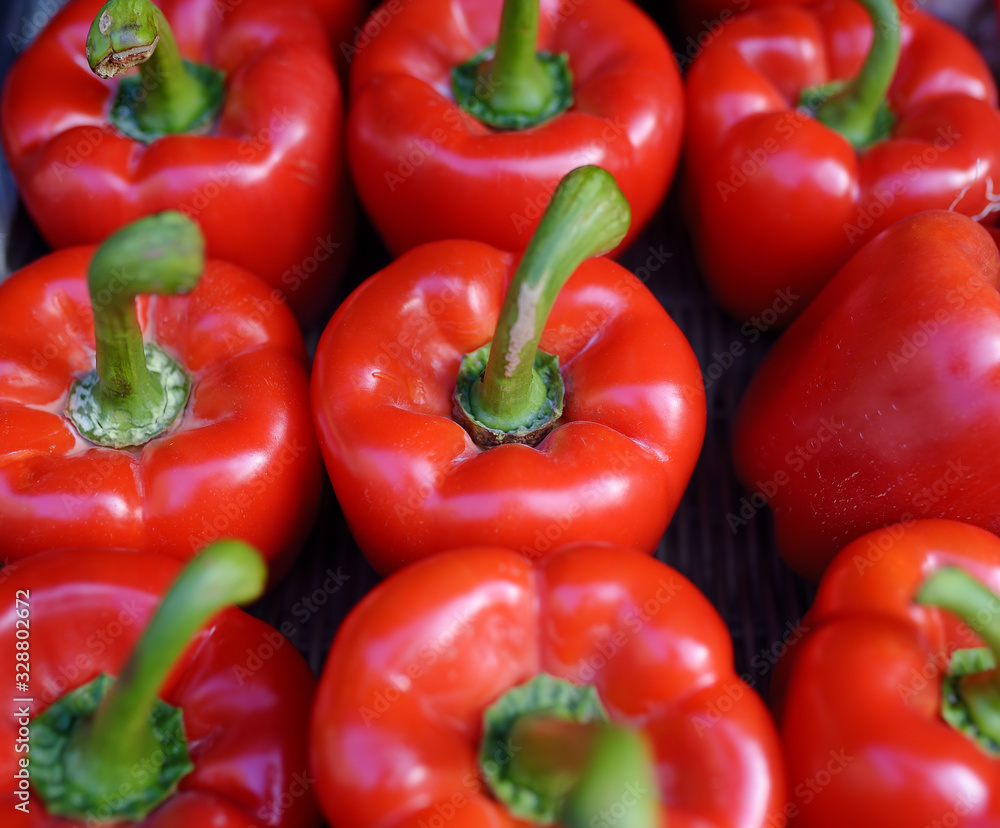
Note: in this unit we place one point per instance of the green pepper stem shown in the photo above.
(160, 254)
(550, 752)
(958, 592)
(104, 751)
(512, 85)
(126, 403)
(588, 216)
(595, 768)
(954, 590)
(129, 33)
(856, 112)
(514, 81)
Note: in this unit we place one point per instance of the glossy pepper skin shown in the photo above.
(267, 185)
(412, 481)
(879, 404)
(432, 646)
(242, 461)
(861, 693)
(425, 170)
(246, 732)
(779, 201)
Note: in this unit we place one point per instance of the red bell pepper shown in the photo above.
(201, 431)
(445, 143)
(246, 141)
(431, 648)
(880, 403)
(879, 724)
(186, 735)
(424, 433)
(780, 198)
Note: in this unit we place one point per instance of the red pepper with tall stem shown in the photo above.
(451, 138)
(159, 422)
(889, 707)
(582, 421)
(582, 690)
(234, 119)
(132, 707)
(810, 130)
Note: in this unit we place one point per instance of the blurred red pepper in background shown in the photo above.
(796, 155)
(428, 166)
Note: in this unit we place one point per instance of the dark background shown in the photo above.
(740, 572)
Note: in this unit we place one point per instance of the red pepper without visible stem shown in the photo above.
(244, 732)
(431, 648)
(780, 198)
(235, 456)
(880, 403)
(263, 177)
(426, 169)
(413, 479)
(862, 697)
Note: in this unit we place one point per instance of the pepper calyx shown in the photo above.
(543, 694)
(470, 84)
(547, 409)
(51, 735)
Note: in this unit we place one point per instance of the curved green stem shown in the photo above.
(171, 95)
(859, 111)
(160, 254)
(588, 216)
(952, 589)
(516, 86)
(137, 391)
(87, 757)
(102, 752)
